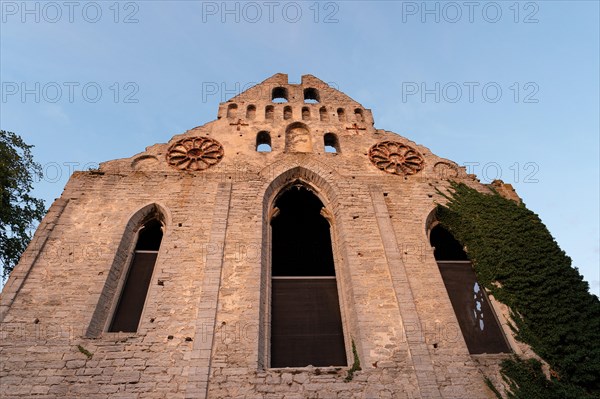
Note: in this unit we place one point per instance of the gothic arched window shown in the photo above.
(135, 289)
(477, 321)
(306, 323)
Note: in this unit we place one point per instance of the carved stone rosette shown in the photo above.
(396, 158)
(195, 153)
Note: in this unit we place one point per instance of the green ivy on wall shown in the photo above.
(518, 260)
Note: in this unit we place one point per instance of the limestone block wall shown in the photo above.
(204, 331)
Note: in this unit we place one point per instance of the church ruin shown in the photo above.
(287, 249)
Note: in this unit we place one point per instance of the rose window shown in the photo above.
(195, 153)
(396, 158)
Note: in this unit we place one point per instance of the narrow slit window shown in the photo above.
(358, 115)
(263, 142)
(341, 115)
(135, 289)
(305, 114)
(287, 112)
(306, 323)
(269, 112)
(323, 114)
(250, 112)
(232, 111)
(476, 319)
(331, 143)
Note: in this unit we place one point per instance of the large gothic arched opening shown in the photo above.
(135, 289)
(476, 319)
(306, 323)
(127, 285)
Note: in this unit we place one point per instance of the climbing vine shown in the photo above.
(87, 353)
(518, 260)
(355, 365)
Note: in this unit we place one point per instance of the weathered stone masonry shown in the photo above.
(205, 327)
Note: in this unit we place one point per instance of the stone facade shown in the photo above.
(204, 331)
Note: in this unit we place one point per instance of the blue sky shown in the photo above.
(510, 89)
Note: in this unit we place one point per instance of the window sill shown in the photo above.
(331, 370)
(119, 336)
(491, 356)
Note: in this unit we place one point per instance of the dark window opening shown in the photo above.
(445, 245)
(323, 114)
(358, 115)
(287, 112)
(250, 112)
(269, 111)
(305, 114)
(341, 115)
(301, 237)
(263, 142)
(279, 95)
(131, 303)
(331, 143)
(306, 324)
(232, 110)
(476, 318)
(311, 95)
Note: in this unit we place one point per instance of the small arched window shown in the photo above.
(358, 115)
(287, 112)
(311, 95)
(323, 114)
(269, 112)
(279, 95)
(128, 312)
(331, 143)
(250, 112)
(476, 319)
(232, 111)
(263, 142)
(305, 114)
(341, 115)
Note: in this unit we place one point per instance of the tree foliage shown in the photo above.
(18, 209)
(518, 260)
